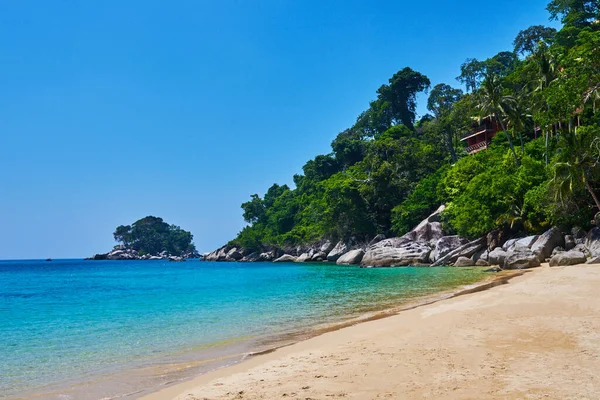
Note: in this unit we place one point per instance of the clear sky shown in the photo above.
(114, 110)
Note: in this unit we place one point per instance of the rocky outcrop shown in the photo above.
(482, 263)
(339, 250)
(429, 231)
(326, 247)
(285, 258)
(578, 233)
(594, 260)
(497, 256)
(268, 256)
(522, 258)
(376, 239)
(396, 252)
(565, 258)
(569, 242)
(445, 245)
(583, 249)
(495, 238)
(464, 262)
(482, 254)
(592, 242)
(509, 244)
(252, 257)
(127, 254)
(467, 250)
(527, 241)
(122, 253)
(524, 242)
(547, 242)
(233, 255)
(319, 256)
(353, 257)
(304, 257)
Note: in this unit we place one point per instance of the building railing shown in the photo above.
(477, 147)
(479, 129)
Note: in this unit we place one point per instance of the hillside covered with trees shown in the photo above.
(389, 170)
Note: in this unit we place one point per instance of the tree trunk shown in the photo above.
(589, 189)
(451, 146)
(547, 134)
(512, 148)
(522, 144)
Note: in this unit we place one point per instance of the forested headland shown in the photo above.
(150, 238)
(391, 169)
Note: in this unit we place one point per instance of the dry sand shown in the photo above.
(536, 337)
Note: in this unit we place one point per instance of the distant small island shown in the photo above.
(150, 238)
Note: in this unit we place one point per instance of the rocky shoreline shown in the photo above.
(122, 253)
(428, 245)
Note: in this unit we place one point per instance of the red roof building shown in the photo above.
(481, 135)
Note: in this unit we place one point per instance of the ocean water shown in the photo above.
(73, 329)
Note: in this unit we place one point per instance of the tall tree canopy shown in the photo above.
(151, 235)
(471, 73)
(575, 13)
(528, 40)
(442, 98)
(396, 102)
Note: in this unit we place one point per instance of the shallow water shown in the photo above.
(101, 329)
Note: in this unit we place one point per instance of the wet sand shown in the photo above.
(538, 336)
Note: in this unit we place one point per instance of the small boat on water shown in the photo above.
(48, 259)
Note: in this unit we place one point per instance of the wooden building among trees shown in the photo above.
(481, 135)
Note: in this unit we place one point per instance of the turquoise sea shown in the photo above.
(74, 329)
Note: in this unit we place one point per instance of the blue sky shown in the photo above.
(114, 110)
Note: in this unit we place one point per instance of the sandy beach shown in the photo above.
(538, 336)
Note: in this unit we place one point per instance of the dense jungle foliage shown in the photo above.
(389, 171)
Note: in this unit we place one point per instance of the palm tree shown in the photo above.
(546, 71)
(493, 102)
(578, 161)
(518, 117)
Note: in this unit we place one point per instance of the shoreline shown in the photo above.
(298, 337)
(182, 366)
(472, 339)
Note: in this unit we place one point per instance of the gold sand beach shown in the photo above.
(536, 337)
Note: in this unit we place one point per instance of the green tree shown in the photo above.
(501, 64)
(493, 102)
(441, 100)
(578, 163)
(123, 234)
(472, 72)
(398, 100)
(528, 40)
(151, 235)
(575, 13)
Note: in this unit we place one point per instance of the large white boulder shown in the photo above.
(396, 252)
(522, 258)
(445, 245)
(285, 258)
(353, 257)
(339, 250)
(547, 242)
(572, 257)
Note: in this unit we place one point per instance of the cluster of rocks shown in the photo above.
(428, 245)
(123, 253)
(322, 251)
